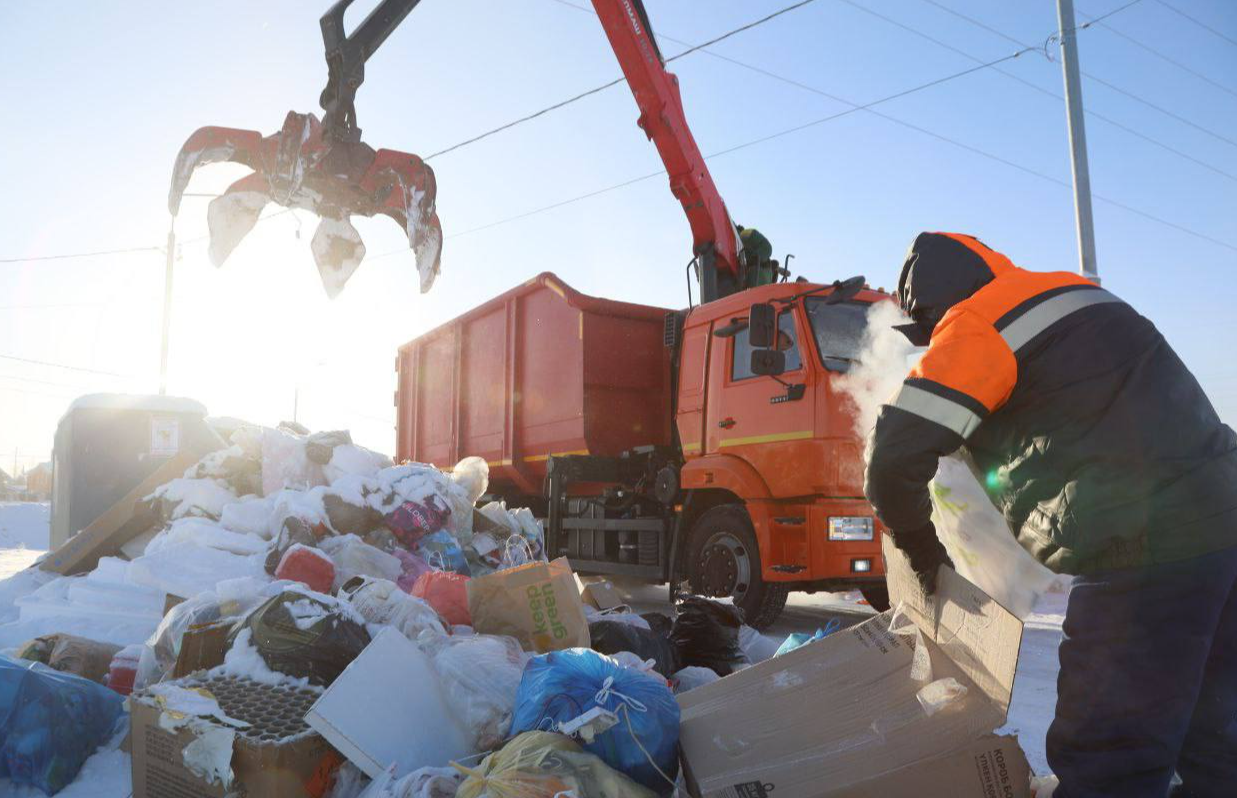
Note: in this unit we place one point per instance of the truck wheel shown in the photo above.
(877, 596)
(723, 561)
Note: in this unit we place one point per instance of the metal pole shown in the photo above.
(167, 310)
(1077, 140)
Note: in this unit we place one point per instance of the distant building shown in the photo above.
(39, 482)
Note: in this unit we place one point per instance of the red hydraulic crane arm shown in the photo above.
(656, 90)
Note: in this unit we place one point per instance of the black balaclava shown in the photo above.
(940, 271)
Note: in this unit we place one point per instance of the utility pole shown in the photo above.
(1077, 139)
(167, 310)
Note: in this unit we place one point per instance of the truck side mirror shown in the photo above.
(762, 326)
(768, 362)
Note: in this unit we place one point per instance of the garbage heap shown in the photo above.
(334, 624)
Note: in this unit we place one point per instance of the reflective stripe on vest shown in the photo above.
(947, 413)
(1047, 313)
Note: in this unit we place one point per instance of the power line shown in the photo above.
(615, 82)
(855, 107)
(42, 382)
(1095, 78)
(53, 306)
(65, 366)
(1042, 90)
(96, 254)
(1199, 23)
(1160, 55)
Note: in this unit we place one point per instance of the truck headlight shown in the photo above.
(851, 527)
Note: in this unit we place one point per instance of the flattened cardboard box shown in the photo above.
(120, 523)
(302, 767)
(844, 717)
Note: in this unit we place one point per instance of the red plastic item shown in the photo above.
(308, 566)
(123, 670)
(447, 593)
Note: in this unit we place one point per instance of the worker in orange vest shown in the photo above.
(1109, 463)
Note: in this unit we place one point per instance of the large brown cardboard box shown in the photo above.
(868, 711)
(299, 765)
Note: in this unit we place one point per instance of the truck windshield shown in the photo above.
(838, 330)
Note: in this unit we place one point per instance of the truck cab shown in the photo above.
(773, 465)
(659, 444)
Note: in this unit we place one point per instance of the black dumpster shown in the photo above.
(107, 443)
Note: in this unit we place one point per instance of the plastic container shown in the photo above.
(122, 673)
(306, 565)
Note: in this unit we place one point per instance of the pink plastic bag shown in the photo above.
(412, 521)
(447, 593)
(414, 568)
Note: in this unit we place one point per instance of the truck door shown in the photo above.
(759, 419)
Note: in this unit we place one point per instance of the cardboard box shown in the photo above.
(278, 757)
(602, 596)
(853, 714)
(123, 521)
(387, 708)
(202, 647)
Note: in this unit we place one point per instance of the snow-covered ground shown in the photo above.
(24, 536)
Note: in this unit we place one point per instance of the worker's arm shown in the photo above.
(967, 373)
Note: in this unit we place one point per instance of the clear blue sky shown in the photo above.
(101, 96)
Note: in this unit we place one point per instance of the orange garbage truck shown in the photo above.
(711, 446)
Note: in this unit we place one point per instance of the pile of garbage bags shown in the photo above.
(280, 558)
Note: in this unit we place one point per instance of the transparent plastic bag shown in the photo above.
(354, 557)
(979, 540)
(381, 601)
(480, 675)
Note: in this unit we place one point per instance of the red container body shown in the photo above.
(540, 370)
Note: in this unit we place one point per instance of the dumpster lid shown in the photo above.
(129, 401)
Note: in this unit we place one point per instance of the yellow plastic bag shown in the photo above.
(542, 765)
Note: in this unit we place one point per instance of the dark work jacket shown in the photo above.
(1090, 434)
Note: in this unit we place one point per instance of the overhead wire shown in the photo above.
(1047, 92)
(65, 366)
(1092, 77)
(855, 107)
(616, 81)
(1162, 56)
(1199, 23)
(95, 254)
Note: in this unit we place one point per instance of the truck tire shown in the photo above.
(877, 596)
(723, 560)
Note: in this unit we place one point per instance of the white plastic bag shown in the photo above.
(355, 557)
(480, 675)
(980, 543)
(691, 677)
(380, 601)
(473, 475)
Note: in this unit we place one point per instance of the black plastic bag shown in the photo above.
(706, 634)
(293, 531)
(321, 445)
(611, 637)
(323, 643)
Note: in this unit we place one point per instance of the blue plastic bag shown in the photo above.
(800, 639)
(443, 553)
(563, 685)
(50, 723)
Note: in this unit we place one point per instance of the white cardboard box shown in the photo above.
(386, 708)
(845, 716)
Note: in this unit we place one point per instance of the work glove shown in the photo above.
(925, 551)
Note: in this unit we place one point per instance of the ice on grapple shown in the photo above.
(300, 167)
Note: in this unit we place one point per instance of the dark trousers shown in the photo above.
(1148, 682)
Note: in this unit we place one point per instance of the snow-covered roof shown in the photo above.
(128, 401)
